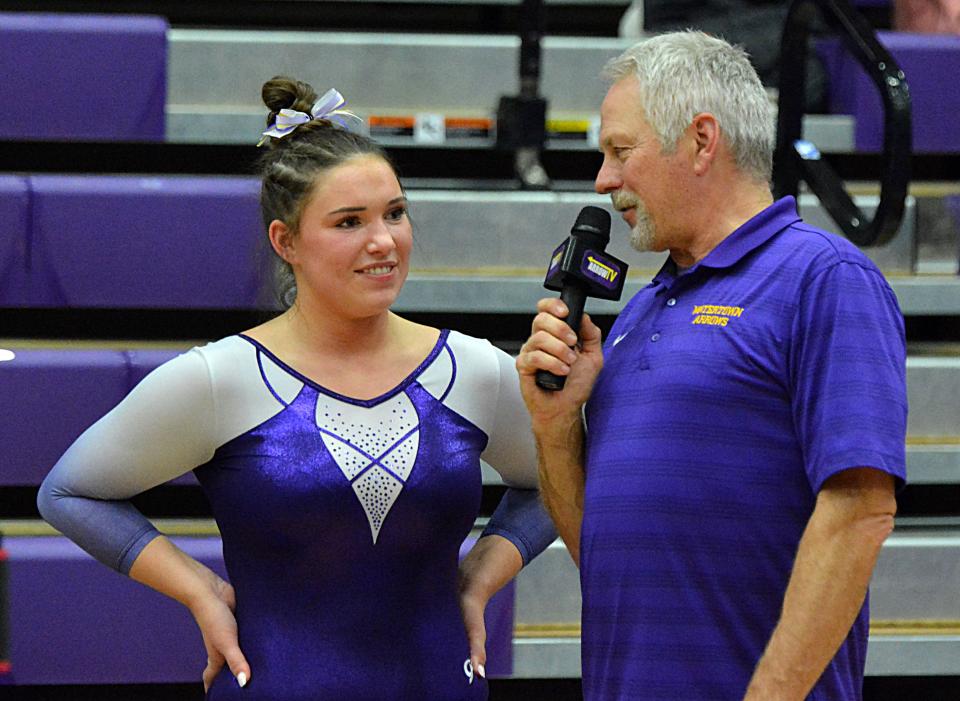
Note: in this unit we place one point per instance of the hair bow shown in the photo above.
(327, 107)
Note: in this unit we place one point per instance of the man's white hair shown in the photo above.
(681, 74)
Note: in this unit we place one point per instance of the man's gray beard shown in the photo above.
(642, 234)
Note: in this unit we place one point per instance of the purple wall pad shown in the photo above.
(953, 206)
(148, 242)
(88, 77)
(52, 396)
(14, 212)
(49, 398)
(141, 363)
(931, 63)
(73, 621)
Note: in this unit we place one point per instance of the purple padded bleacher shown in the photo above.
(14, 233)
(140, 362)
(931, 63)
(146, 242)
(73, 621)
(953, 206)
(91, 77)
(49, 398)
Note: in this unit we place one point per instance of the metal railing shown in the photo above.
(797, 159)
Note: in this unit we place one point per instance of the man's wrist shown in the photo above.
(771, 682)
(558, 430)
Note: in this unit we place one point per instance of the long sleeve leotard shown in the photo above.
(341, 519)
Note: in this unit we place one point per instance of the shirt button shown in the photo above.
(655, 337)
(672, 302)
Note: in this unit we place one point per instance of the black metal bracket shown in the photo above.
(796, 159)
(521, 120)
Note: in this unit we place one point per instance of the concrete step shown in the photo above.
(214, 80)
(915, 609)
(933, 388)
(380, 73)
(927, 463)
(888, 655)
(465, 234)
(501, 291)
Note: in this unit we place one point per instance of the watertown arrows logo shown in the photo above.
(715, 314)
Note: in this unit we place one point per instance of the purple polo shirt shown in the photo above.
(729, 394)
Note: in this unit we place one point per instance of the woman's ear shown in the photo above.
(281, 239)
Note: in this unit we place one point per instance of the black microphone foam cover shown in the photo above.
(593, 223)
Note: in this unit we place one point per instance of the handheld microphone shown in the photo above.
(579, 269)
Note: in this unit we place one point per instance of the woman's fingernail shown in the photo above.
(481, 671)
(242, 679)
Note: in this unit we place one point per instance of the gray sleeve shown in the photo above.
(520, 517)
(510, 449)
(162, 429)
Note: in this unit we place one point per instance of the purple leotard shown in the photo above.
(341, 519)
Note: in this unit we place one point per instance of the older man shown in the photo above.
(723, 468)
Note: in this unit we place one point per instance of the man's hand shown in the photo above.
(549, 348)
(556, 416)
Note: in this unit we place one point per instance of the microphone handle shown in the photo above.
(574, 296)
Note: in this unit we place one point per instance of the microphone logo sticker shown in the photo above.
(600, 269)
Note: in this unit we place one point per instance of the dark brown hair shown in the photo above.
(289, 167)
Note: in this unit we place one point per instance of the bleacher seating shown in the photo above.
(73, 387)
(93, 77)
(174, 242)
(379, 74)
(170, 242)
(78, 386)
(141, 242)
(931, 63)
(73, 621)
(14, 208)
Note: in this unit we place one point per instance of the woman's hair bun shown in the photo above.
(281, 92)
